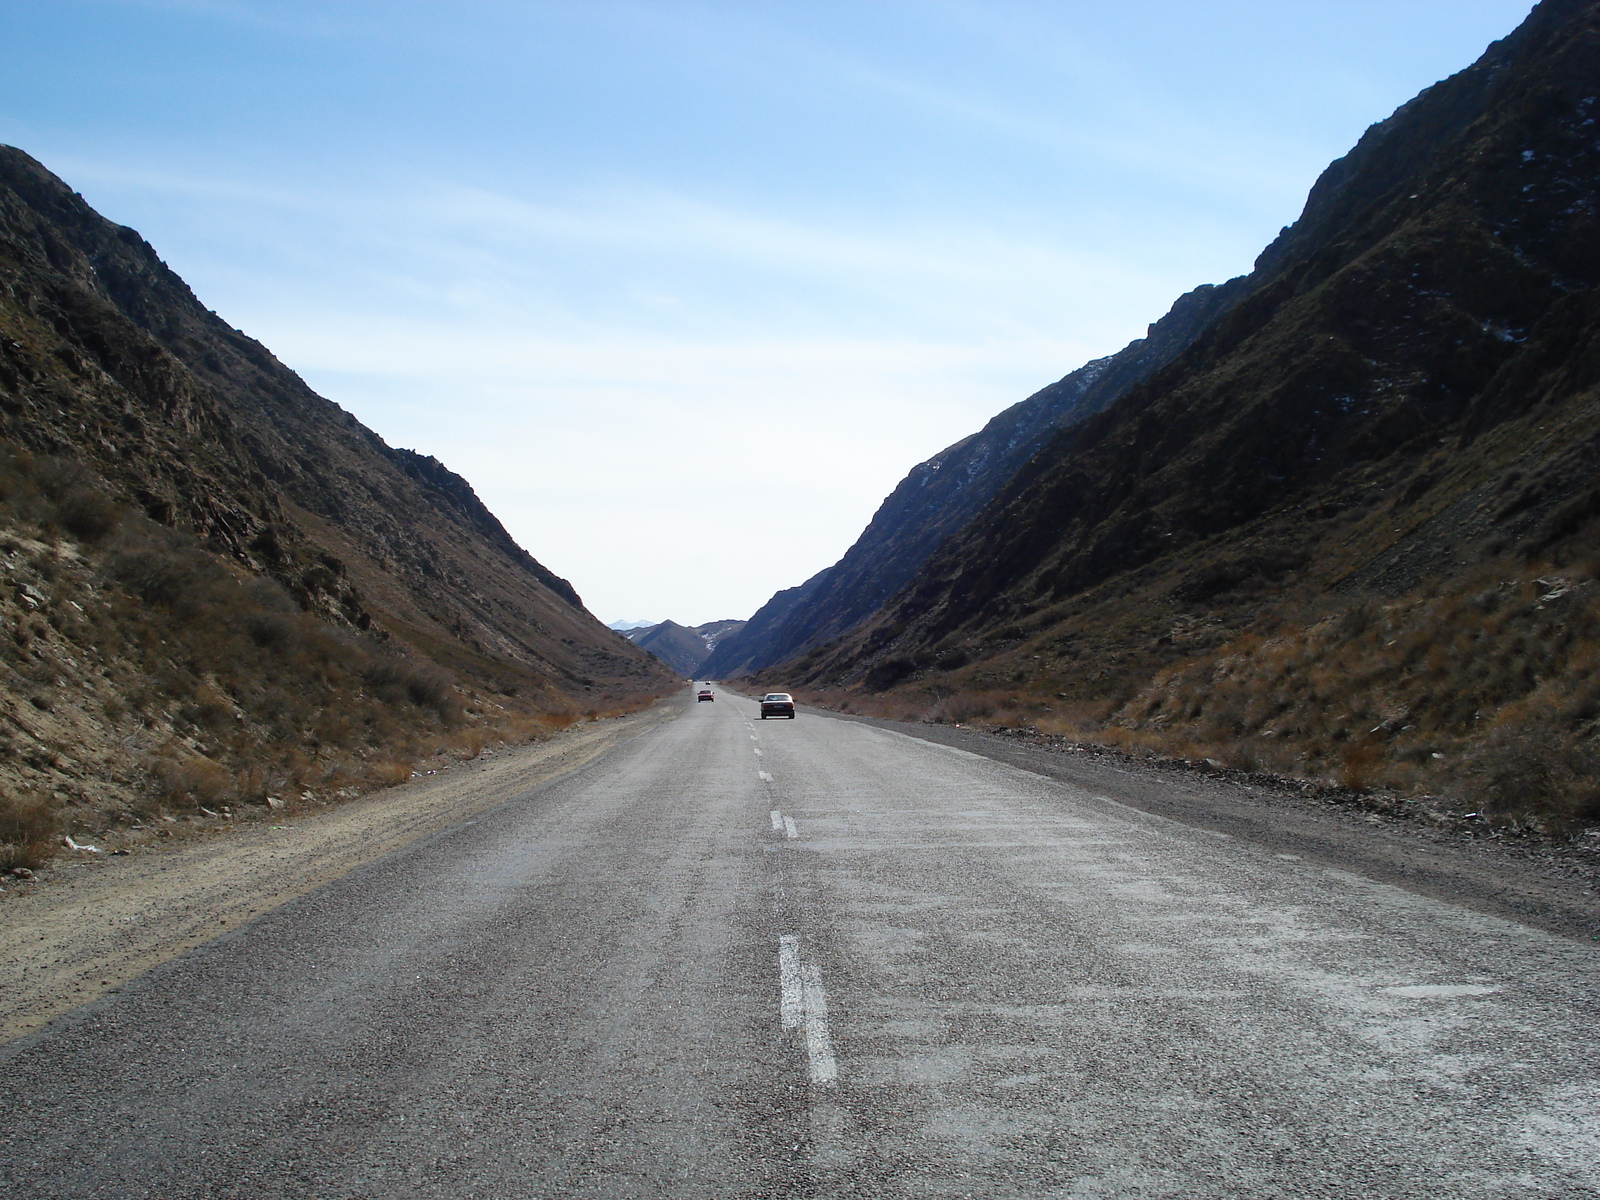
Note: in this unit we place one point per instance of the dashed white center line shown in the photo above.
(791, 1002)
(765, 778)
(777, 821)
(789, 831)
(756, 751)
(802, 1002)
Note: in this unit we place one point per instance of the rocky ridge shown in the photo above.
(943, 493)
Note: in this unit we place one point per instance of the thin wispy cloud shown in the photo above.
(625, 264)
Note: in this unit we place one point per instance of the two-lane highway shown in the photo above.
(813, 957)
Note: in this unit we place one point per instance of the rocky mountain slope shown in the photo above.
(154, 456)
(1395, 427)
(685, 650)
(941, 495)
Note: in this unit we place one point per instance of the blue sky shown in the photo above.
(684, 288)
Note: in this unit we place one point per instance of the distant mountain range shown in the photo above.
(1390, 428)
(685, 650)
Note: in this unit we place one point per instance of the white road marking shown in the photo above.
(791, 1002)
(803, 1003)
(789, 831)
(765, 778)
(819, 1042)
(757, 750)
(777, 821)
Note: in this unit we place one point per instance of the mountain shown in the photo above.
(1348, 526)
(683, 649)
(153, 456)
(942, 494)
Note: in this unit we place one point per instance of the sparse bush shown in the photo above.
(27, 831)
(190, 782)
(886, 674)
(209, 709)
(1357, 765)
(1531, 771)
(88, 514)
(172, 575)
(271, 630)
(427, 687)
(389, 772)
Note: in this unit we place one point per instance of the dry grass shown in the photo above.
(1485, 687)
(28, 827)
(1490, 691)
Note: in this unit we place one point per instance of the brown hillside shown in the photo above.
(179, 503)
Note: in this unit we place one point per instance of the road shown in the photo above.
(739, 958)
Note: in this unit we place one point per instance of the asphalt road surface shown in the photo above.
(817, 958)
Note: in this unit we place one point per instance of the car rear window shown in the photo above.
(777, 696)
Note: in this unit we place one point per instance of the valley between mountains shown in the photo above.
(1195, 788)
(1332, 520)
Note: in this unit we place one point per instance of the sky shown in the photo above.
(685, 287)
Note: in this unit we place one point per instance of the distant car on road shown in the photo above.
(705, 694)
(777, 704)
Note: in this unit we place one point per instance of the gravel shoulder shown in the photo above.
(1540, 882)
(96, 924)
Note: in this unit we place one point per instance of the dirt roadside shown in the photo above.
(101, 922)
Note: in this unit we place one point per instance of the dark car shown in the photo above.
(777, 704)
(705, 694)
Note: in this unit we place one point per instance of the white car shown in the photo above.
(777, 704)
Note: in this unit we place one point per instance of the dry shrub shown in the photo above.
(389, 772)
(272, 630)
(87, 514)
(209, 709)
(1501, 671)
(170, 574)
(27, 831)
(1357, 765)
(190, 782)
(1530, 772)
(1076, 719)
(396, 680)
